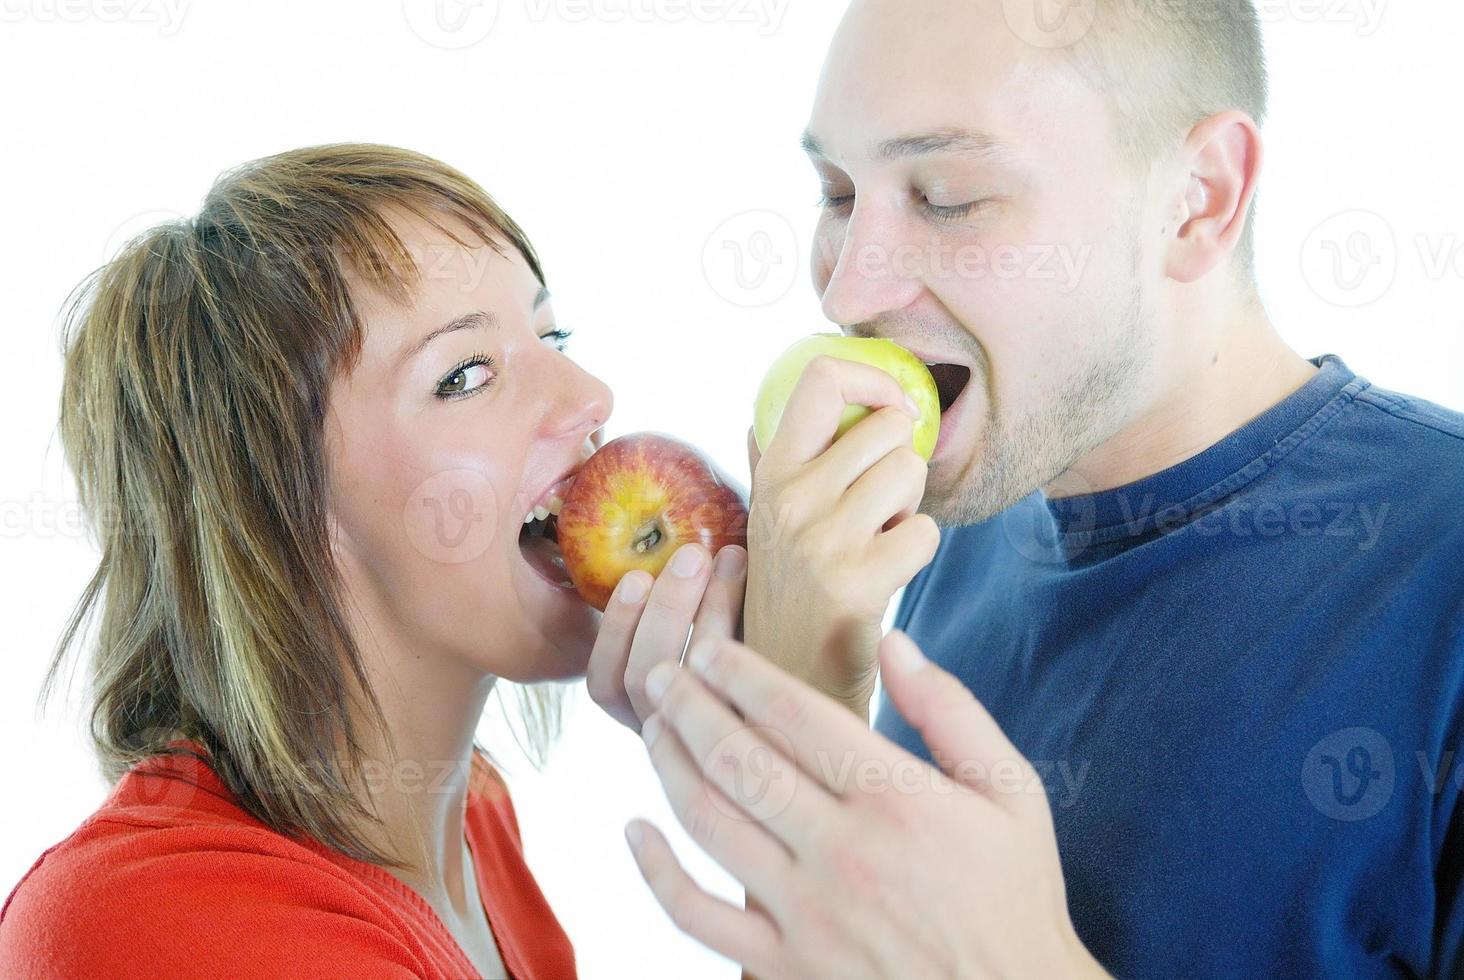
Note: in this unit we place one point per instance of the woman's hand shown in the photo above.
(834, 530)
(648, 621)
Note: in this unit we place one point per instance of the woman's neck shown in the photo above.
(417, 763)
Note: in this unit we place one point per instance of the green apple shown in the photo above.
(912, 374)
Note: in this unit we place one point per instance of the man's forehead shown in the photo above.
(895, 72)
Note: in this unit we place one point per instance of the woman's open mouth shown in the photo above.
(540, 548)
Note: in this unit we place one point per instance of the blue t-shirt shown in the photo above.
(1241, 681)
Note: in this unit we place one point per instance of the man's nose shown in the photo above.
(876, 272)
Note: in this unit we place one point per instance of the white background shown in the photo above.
(631, 138)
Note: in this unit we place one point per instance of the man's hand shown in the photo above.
(863, 860)
(833, 532)
(648, 620)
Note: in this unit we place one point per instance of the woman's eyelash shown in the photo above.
(560, 338)
(476, 360)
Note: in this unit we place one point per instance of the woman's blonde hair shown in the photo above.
(197, 365)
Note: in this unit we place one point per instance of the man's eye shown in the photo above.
(469, 377)
(951, 213)
(559, 338)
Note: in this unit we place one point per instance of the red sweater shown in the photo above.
(170, 878)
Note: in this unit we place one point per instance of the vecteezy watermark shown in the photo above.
(1349, 774)
(456, 24)
(167, 14)
(757, 779)
(766, 16)
(1050, 23)
(1365, 15)
(452, 517)
(751, 259)
(40, 516)
(1352, 258)
(1067, 526)
(1063, 23)
(1060, 263)
(451, 24)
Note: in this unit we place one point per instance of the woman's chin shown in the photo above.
(567, 624)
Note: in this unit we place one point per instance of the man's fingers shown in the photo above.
(751, 764)
(902, 551)
(754, 455)
(605, 676)
(889, 490)
(873, 439)
(960, 733)
(805, 721)
(666, 620)
(745, 936)
(719, 826)
(827, 386)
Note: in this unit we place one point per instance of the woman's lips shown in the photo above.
(543, 556)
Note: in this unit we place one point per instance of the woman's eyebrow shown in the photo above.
(468, 321)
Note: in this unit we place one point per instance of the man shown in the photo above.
(1212, 590)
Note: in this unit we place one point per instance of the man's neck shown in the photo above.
(1216, 389)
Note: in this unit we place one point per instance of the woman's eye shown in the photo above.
(469, 377)
(559, 339)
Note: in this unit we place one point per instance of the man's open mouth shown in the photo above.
(950, 381)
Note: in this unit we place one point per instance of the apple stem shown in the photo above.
(648, 538)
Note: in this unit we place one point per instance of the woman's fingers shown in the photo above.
(720, 613)
(666, 620)
(605, 676)
(745, 936)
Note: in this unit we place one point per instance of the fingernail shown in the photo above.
(687, 561)
(730, 563)
(634, 835)
(631, 590)
(699, 657)
(657, 681)
(651, 730)
(904, 655)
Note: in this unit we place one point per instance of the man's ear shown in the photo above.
(1221, 165)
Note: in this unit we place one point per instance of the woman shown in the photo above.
(310, 425)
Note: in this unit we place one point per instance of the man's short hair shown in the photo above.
(1166, 65)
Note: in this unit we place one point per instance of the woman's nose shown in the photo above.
(581, 403)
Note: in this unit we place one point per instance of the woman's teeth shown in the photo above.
(542, 511)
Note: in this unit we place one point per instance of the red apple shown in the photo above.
(637, 500)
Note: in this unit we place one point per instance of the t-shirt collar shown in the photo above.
(1172, 497)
